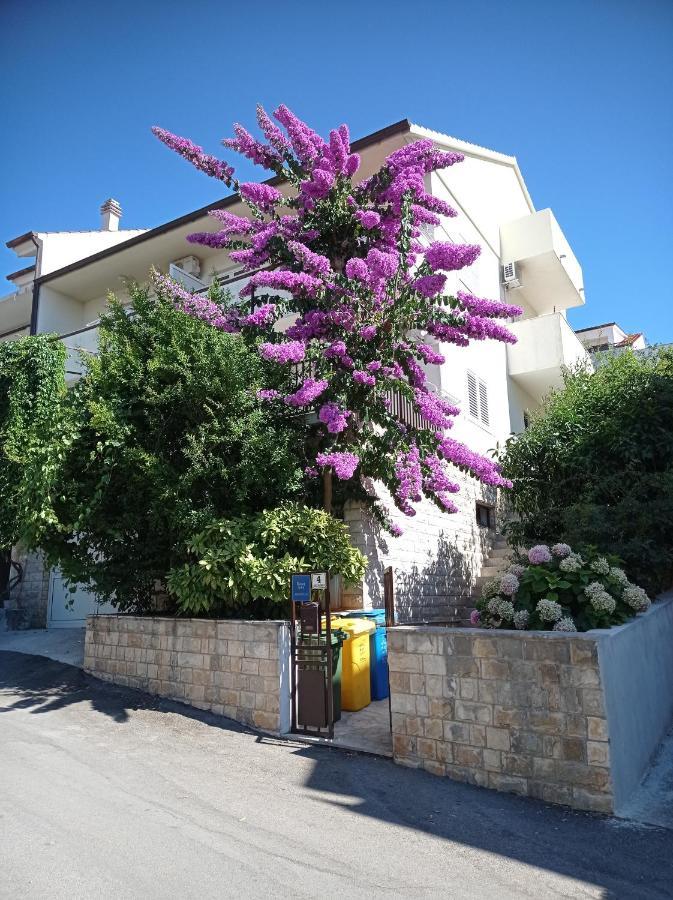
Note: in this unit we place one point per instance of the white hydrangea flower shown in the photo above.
(601, 566)
(572, 563)
(594, 588)
(601, 600)
(506, 610)
(520, 619)
(517, 570)
(549, 610)
(565, 624)
(620, 576)
(636, 598)
(561, 550)
(491, 589)
(509, 584)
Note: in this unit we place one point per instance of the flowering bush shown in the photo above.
(555, 588)
(361, 283)
(244, 565)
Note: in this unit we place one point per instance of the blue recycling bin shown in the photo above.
(378, 651)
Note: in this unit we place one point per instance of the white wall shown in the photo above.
(59, 249)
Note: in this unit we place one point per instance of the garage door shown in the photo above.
(68, 610)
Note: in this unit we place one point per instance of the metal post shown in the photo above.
(330, 696)
(293, 667)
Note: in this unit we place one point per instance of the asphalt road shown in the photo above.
(106, 792)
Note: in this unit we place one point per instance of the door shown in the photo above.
(68, 610)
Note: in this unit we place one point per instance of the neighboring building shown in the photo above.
(525, 258)
(609, 336)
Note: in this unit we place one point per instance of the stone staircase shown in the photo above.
(495, 565)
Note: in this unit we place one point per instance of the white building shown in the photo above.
(609, 336)
(525, 258)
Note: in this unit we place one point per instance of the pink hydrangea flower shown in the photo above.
(538, 554)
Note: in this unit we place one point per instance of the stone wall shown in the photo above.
(435, 562)
(27, 603)
(572, 719)
(502, 710)
(234, 668)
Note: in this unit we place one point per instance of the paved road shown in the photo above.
(106, 792)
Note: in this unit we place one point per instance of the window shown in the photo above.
(477, 399)
(485, 515)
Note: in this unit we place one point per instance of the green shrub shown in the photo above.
(243, 565)
(595, 467)
(556, 589)
(165, 433)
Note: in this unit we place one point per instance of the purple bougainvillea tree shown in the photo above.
(367, 296)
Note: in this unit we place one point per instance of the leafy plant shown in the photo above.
(32, 388)
(164, 433)
(557, 589)
(244, 564)
(595, 467)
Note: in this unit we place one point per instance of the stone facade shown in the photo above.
(27, 604)
(435, 562)
(521, 712)
(237, 669)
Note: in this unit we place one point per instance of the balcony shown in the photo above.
(545, 346)
(550, 276)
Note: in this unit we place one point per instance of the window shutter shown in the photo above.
(483, 402)
(472, 397)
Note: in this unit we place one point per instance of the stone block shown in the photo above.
(422, 643)
(433, 728)
(191, 660)
(597, 729)
(487, 692)
(235, 648)
(473, 712)
(574, 749)
(497, 739)
(517, 764)
(414, 726)
(399, 723)
(546, 649)
(469, 689)
(403, 703)
(504, 716)
(434, 767)
(426, 748)
(247, 700)
(524, 670)
(434, 685)
(551, 793)
(440, 707)
(462, 665)
(256, 649)
(507, 783)
(598, 753)
(583, 652)
(546, 722)
(523, 741)
(478, 735)
(404, 662)
(250, 666)
(265, 720)
(485, 646)
(416, 682)
(544, 769)
(576, 726)
(268, 667)
(434, 665)
(492, 760)
(580, 676)
(403, 745)
(579, 774)
(422, 705)
(594, 801)
(458, 732)
(444, 751)
(465, 755)
(592, 702)
(510, 648)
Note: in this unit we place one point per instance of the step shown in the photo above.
(500, 553)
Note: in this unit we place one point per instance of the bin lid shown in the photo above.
(379, 615)
(356, 626)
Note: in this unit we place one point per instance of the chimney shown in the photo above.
(111, 213)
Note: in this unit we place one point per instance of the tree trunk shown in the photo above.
(327, 490)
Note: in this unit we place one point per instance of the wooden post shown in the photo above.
(327, 490)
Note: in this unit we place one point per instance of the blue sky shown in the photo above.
(580, 92)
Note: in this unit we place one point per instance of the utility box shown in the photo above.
(309, 618)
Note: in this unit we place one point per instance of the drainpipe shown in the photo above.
(36, 288)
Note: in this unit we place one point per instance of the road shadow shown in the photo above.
(44, 685)
(622, 859)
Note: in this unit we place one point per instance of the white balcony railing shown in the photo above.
(545, 346)
(548, 271)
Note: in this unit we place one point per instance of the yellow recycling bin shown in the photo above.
(355, 679)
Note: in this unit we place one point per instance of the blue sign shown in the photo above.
(301, 588)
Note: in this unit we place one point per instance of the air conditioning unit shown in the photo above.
(510, 277)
